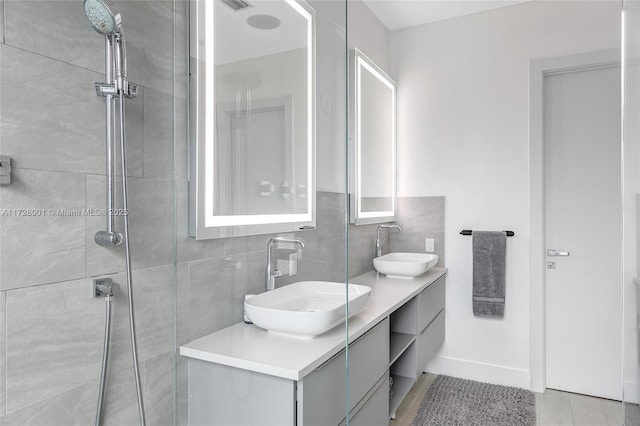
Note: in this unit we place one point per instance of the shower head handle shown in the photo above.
(104, 19)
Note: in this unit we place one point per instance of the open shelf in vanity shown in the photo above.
(416, 333)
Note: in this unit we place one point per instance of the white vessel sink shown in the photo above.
(405, 265)
(305, 309)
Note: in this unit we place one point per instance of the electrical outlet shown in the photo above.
(429, 245)
(293, 264)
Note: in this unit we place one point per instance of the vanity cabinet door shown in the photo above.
(321, 394)
(375, 412)
(228, 396)
(430, 341)
(430, 302)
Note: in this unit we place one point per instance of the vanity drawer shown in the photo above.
(430, 341)
(368, 361)
(430, 303)
(323, 399)
(375, 412)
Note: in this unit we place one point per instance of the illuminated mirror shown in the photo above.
(373, 143)
(252, 165)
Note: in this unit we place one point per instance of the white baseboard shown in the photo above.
(632, 392)
(480, 372)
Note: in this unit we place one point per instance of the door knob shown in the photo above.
(552, 252)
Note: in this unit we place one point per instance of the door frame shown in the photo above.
(538, 70)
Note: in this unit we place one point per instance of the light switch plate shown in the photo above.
(293, 264)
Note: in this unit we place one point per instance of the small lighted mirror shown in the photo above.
(252, 149)
(373, 142)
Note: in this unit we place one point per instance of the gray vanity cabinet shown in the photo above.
(384, 363)
(222, 395)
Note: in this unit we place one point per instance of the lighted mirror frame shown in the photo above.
(361, 63)
(203, 223)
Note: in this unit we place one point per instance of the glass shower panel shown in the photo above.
(631, 199)
(260, 102)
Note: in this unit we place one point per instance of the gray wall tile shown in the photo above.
(57, 29)
(100, 260)
(154, 314)
(182, 303)
(247, 244)
(1, 21)
(149, 32)
(188, 248)
(121, 399)
(134, 124)
(158, 135)
(3, 352)
(73, 407)
(154, 303)
(217, 288)
(42, 363)
(51, 240)
(330, 218)
(159, 389)
(181, 141)
(414, 243)
(420, 218)
(67, 133)
(182, 50)
(320, 261)
(152, 226)
(420, 214)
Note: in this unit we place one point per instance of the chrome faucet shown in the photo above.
(270, 272)
(379, 241)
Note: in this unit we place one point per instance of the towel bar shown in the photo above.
(469, 232)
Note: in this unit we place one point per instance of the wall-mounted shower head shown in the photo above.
(102, 18)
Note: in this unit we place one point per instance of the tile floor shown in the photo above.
(553, 408)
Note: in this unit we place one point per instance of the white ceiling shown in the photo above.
(236, 40)
(398, 14)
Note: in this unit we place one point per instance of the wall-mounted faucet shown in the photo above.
(270, 272)
(379, 241)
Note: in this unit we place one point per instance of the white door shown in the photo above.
(583, 224)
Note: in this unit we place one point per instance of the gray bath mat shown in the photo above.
(451, 401)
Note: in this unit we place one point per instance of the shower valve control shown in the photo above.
(103, 287)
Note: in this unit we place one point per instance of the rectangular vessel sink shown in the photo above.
(305, 309)
(405, 265)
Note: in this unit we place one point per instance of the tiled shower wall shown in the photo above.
(52, 125)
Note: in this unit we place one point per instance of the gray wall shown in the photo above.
(52, 124)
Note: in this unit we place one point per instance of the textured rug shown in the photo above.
(459, 402)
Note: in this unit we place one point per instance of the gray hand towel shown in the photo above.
(489, 250)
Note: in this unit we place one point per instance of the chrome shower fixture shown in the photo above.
(102, 18)
(107, 22)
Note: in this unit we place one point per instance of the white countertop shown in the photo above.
(249, 347)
